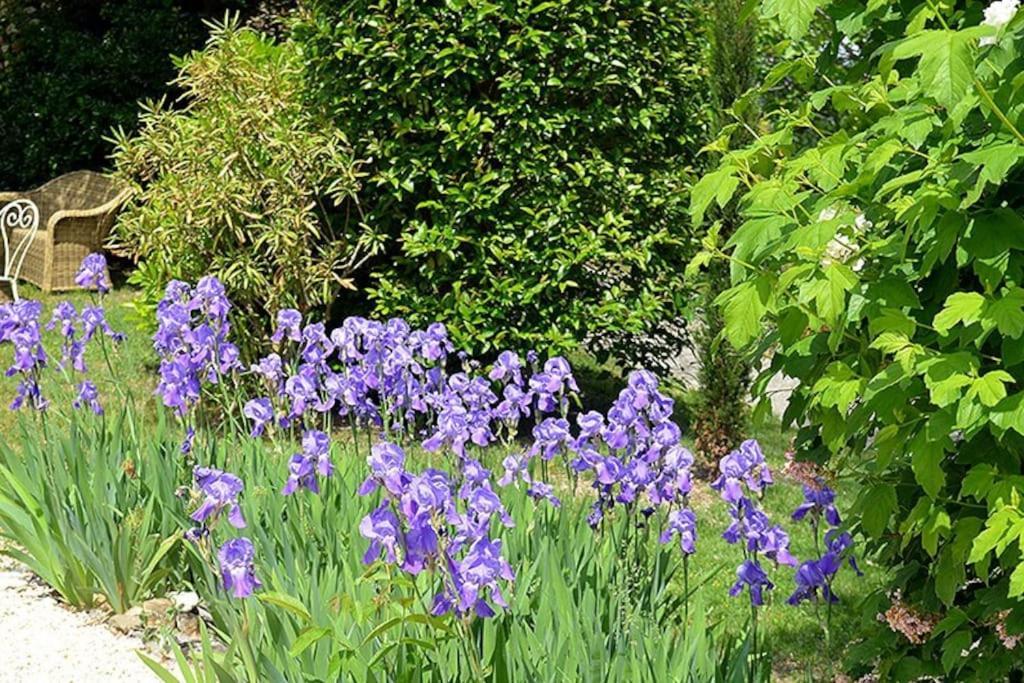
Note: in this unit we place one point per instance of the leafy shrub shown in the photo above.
(527, 159)
(72, 71)
(241, 182)
(881, 255)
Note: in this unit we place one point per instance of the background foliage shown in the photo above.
(527, 160)
(880, 253)
(241, 182)
(71, 71)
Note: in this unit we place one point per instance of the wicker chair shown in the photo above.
(76, 212)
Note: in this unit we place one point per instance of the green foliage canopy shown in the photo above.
(527, 160)
(881, 255)
(72, 70)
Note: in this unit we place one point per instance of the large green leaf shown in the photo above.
(793, 15)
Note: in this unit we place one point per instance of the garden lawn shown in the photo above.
(793, 634)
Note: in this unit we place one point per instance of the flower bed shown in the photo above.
(369, 502)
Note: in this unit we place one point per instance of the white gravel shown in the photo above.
(41, 642)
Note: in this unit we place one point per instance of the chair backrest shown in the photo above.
(19, 223)
(77, 191)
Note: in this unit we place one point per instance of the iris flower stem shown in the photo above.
(686, 590)
(471, 653)
(753, 636)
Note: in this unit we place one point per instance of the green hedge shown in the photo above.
(526, 160)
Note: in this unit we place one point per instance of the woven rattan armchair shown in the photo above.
(76, 212)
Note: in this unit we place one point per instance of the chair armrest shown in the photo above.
(79, 216)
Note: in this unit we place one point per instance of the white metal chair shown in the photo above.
(21, 215)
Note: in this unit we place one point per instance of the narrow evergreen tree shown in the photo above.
(724, 373)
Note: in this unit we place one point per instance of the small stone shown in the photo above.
(185, 601)
(188, 627)
(127, 622)
(158, 607)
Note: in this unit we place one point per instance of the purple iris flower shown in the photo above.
(94, 320)
(839, 547)
(271, 369)
(316, 346)
(483, 503)
(515, 403)
(421, 545)
(474, 475)
(382, 529)
(507, 368)
(818, 502)
(221, 491)
(289, 326)
(19, 325)
(301, 474)
(427, 494)
(435, 345)
(88, 395)
(92, 273)
(516, 468)
(317, 446)
(684, 524)
(302, 388)
(773, 543)
(590, 423)
(810, 580)
(72, 348)
(609, 470)
(538, 490)
(210, 299)
(387, 469)
(551, 385)
(745, 465)
(474, 580)
(551, 437)
(261, 412)
(750, 575)
(237, 567)
(179, 383)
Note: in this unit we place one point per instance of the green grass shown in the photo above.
(794, 634)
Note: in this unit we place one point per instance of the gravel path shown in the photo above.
(41, 642)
